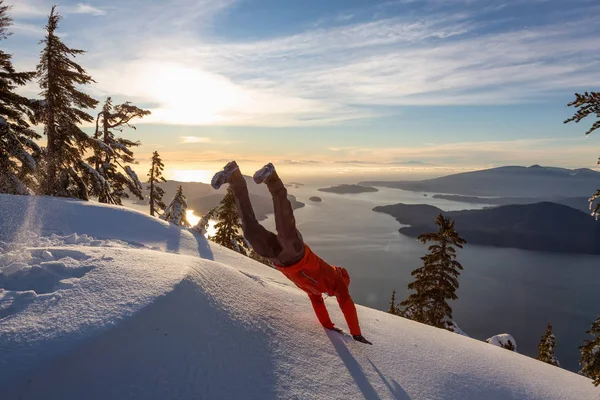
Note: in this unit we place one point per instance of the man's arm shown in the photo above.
(348, 308)
(321, 311)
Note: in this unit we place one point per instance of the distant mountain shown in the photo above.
(578, 203)
(262, 205)
(201, 197)
(534, 181)
(349, 189)
(541, 226)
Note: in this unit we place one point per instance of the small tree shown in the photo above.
(176, 210)
(202, 225)
(437, 280)
(546, 348)
(393, 308)
(228, 226)
(590, 354)
(112, 153)
(61, 112)
(154, 178)
(19, 154)
(588, 104)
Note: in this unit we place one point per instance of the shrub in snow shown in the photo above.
(503, 340)
(175, 211)
(437, 280)
(112, 153)
(156, 192)
(546, 348)
(18, 152)
(62, 114)
(590, 354)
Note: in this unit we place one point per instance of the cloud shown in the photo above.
(29, 9)
(82, 8)
(33, 9)
(298, 162)
(346, 148)
(355, 68)
(195, 139)
(22, 28)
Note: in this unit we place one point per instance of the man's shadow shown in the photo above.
(357, 373)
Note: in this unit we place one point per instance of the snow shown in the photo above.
(502, 341)
(101, 302)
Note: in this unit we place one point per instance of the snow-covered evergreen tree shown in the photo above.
(229, 226)
(154, 178)
(19, 154)
(61, 112)
(437, 280)
(202, 225)
(546, 347)
(112, 154)
(590, 354)
(176, 210)
(588, 104)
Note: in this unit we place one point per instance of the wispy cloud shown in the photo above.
(27, 9)
(353, 67)
(195, 139)
(82, 8)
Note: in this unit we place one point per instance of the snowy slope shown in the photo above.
(116, 314)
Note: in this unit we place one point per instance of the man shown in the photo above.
(287, 250)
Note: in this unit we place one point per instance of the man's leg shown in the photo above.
(285, 222)
(265, 243)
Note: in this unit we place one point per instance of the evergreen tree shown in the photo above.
(19, 154)
(546, 348)
(61, 113)
(588, 104)
(202, 225)
(112, 154)
(154, 178)
(175, 211)
(228, 226)
(590, 354)
(437, 280)
(393, 308)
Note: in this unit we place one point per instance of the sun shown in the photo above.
(192, 175)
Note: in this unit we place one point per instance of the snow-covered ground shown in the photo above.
(102, 302)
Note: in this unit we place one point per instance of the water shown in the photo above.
(501, 290)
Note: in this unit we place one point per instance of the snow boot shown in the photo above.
(264, 173)
(222, 176)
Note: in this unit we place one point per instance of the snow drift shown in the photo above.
(100, 302)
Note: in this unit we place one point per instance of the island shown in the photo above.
(511, 181)
(541, 226)
(578, 203)
(349, 189)
(316, 199)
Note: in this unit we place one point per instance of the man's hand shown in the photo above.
(338, 330)
(361, 338)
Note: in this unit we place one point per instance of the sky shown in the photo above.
(349, 89)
